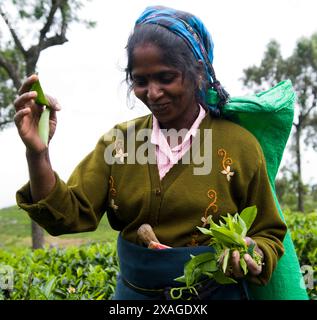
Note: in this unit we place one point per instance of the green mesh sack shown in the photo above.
(269, 117)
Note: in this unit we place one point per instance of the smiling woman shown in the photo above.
(170, 56)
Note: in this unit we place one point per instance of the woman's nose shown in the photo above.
(154, 91)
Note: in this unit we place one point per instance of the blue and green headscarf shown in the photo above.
(194, 33)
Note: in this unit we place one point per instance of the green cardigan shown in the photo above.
(132, 194)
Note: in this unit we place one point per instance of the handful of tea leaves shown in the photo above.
(44, 126)
(226, 237)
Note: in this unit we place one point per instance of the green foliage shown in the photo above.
(84, 273)
(303, 228)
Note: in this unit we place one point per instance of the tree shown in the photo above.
(301, 69)
(20, 50)
(286, 188)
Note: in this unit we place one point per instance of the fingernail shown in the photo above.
(32, 94)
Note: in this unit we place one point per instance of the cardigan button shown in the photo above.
(158, 192)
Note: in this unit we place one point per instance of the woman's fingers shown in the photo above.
(253, 267)
(54, 106)
(27, 84)
(20, 114)
(24, 100)
(53, 103)
(235, 262)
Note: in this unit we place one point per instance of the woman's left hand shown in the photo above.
(253, 267)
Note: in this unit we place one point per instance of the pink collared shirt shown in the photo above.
(167, 156)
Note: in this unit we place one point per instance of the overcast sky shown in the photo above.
(86, 74)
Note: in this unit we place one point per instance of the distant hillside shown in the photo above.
(15, 230)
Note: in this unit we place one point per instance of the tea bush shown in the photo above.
(303, 228)
(86, 272)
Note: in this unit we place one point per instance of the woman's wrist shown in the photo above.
(42, 178)
(37, 155)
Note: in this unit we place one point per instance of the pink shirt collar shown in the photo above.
(166, 156)
(158, 137)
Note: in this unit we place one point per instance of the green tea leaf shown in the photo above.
(181, 279)
(222, 238)
(225, 260)
(229, 221)
(248, 215)
(209, 266)
(40, 99)
(100, 297)
(191, 269)
(242, 226)
(243, 265)
(210, 275)
(48, 288)
(45, 116)
(205, 231)
(79, 272)
(221, 278)
(44, 126)
(227, 236)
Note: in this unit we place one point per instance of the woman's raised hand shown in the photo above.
(28, 115)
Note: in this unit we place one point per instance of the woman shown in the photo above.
(170, 70)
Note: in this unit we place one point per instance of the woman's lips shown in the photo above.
(158, 108)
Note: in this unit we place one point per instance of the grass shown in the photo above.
(15, 231)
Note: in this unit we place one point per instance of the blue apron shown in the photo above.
(148, 274)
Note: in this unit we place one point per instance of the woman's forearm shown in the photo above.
(42, 178)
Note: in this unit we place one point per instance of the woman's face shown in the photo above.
(163, 89)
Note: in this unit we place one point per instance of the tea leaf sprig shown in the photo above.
(43, 126)
(225, 238)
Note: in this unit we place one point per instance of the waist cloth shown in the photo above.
(148, 274)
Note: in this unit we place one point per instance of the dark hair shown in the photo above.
(175, 51)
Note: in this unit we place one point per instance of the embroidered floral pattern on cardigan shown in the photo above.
(212, 194)
(113, 193)
(226, 163)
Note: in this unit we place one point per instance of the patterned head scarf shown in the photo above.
(194, 33)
